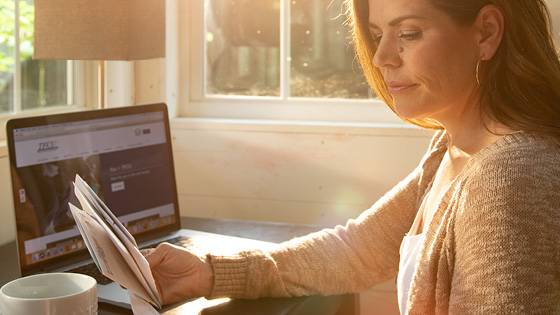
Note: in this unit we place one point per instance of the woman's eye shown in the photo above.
(410, 35)
(376, 38)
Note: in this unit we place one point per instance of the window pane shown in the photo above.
(43, 83)
(243, 47)
(323, 63)
(7, 44)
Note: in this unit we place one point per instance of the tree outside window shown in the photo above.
(41, 83)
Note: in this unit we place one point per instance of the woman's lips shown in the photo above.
(399, 87)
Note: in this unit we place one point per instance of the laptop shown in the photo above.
(125, 155)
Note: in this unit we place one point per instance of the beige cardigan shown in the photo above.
(493, 246)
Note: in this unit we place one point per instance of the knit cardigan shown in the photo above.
(492, 247)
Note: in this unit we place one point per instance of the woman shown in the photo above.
(475, 228)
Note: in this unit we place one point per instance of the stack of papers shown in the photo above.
(114, 250)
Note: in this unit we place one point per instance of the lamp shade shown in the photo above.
(99, 29)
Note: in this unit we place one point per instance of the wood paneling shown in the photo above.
(299, 178)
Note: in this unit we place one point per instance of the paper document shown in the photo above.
(113, 249)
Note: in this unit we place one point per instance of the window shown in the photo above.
(27, 84)
(276, 59)
(244, 53)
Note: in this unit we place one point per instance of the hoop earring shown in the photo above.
(476, 72)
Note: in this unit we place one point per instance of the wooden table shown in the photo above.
(265, 231)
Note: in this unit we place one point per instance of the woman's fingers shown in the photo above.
(155, 256)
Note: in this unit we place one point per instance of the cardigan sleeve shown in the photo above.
(340, 260)
(507, 238)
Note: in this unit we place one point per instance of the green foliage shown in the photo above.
(7, 39)
(7, 32)
(26, 20)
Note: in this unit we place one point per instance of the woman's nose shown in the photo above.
(387, 54)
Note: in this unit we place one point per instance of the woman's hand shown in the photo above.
(178, 273)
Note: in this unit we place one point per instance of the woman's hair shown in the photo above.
(519, 86)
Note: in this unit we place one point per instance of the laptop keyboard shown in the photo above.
(92, 271)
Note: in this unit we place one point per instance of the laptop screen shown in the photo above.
(123, 154)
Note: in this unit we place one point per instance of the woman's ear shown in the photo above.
(490, 26)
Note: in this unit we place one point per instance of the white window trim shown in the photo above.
(194, 104)
(299, 127)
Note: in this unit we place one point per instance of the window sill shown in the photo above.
(271, 109)
(303, 127)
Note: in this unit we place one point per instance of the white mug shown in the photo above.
(49, 294)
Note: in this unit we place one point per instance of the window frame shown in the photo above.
(194, 103)
(82, 89)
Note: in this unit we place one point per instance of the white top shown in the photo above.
(410, 254)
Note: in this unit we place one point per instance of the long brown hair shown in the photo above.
(519, 86)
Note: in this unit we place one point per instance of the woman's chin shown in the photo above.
(410, 111)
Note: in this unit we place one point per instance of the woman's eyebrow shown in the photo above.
(399, 20)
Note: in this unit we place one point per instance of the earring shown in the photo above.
(476, 72)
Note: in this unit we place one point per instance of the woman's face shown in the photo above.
(428, 61)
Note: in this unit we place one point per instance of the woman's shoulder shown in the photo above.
(522, 149)
(517, 162)
(516, 178)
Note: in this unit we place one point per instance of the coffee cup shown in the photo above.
(49, 294)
